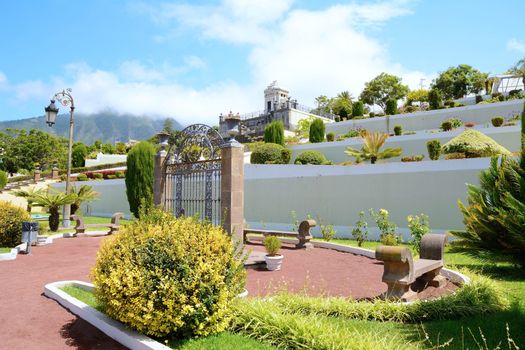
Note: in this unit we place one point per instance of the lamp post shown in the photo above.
(65, 98)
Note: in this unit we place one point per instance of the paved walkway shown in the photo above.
(28, 319)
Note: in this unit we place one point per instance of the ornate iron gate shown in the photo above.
(192, 180)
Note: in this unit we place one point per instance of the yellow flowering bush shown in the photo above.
(11, 218)
(169, 277)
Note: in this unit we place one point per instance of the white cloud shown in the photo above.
(96, 90)
(516, 45)
(3, 81)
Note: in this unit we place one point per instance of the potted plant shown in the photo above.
(273, 258)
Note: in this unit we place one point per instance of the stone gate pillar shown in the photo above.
(158, 182)
(232, 188)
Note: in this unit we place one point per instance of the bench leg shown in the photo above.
(304, 245)
(399, 291)
(434, 279)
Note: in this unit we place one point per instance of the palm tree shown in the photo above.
(519, 69)
(28, 195)
(83, 194)
(53, 202)
(372, 143)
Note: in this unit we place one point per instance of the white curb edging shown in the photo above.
(453, 276)
(9, 256)
(108, 326)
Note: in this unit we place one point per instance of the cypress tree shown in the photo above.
(139, 176)
(358, 109)
(274, 133)
(317, 131)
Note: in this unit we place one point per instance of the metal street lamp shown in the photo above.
(65, 98)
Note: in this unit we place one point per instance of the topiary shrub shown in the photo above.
(316, 131)
(274, 132)
(337, 119)
(139, 176)
(446, 125)
(435, 98)
(270, 153)
(330, 137)
(371, 115)
(474, 144)
(311, 157)
(98, 176)
(497, 121)
(358, 109)
(398, 130)
(391, 107)
(169, 277)
(478, 99)
(11, 218)
(3, 179)
(120, 174)
(434, 149)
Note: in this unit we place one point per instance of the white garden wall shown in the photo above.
(479, 114)
(338, 193)
(508, 136)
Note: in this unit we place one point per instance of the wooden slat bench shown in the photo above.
(400, 271)
(81, 227)
(303, 235)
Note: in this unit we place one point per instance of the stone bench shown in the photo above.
(81, 227)
(400, 271)
(303, 235)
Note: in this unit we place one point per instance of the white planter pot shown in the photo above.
(273, 263)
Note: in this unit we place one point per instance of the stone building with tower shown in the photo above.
(278, 105)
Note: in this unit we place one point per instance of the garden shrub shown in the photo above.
(98, 176)
(418, 226)
(317, 131)
(353, 133)
(434, 149)
(11, 218)
(455, 122)
(398, 130)
(497, 121)
(274, 133)
(337, 119)
(391, 107)
(311, 157)
(169, 277)
(330, 137)
(270, 153)
(387, 228)
(360, 230)
(139, 176)
(458, 155)
(371, 115)
(78, 155)
(446, 125)
(474, 144)
(3, 179)
(358, 109)
(82, 177)
(416, 158)
(120, 174)
(111, 176)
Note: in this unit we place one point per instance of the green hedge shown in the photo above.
(474, 144)
(270, 153)
(311, 157)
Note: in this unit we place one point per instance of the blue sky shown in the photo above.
(193, 60)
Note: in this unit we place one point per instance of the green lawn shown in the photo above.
(87, 220)
(4, 250)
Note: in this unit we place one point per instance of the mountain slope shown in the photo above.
(105, 126)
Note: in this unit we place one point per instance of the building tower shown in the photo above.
(275, 98)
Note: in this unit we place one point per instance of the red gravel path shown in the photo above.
(29, 320)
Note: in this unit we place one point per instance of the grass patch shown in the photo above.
(4, 250)
(219, 341)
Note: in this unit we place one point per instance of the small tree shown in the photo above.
(139, 176)
(78, 155)
(358, 109)
(391, 107)
(84, 193)
(274, 133)
(382, 88)
(360, 231)
(372, 143)
(3, 179)
(53, 202)
(317, 131)
(435, 99)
